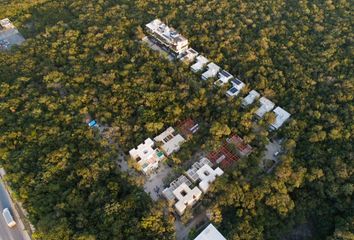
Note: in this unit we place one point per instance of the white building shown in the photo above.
(210, 233)
(281, 117)
(224, 77)
(202, 171)
(186, 197)
(207, 175)
(181, 194)
(192, 171)
(212, 71)
(170, 141)
(236, 88)
(147, 156)
(167, 36)
(250, 98)
(266, 106)
(189, 55)
(168, 192)
(200, 64)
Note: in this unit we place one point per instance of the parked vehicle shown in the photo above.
(276, 154)
(8, 217)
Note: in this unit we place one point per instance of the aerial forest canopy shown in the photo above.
(85, 57)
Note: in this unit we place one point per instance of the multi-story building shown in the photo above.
(168, 37)
(147, 156)
(169, 141)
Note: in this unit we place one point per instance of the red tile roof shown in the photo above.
(188, 127)
(222, 156)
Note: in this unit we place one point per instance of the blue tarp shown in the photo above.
(92, 123)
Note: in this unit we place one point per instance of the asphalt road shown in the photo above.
(6, 233)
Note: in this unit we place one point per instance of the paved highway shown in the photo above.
(6, 233)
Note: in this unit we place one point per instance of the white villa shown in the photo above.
(189, 56)
(170, 141)
(236, 88)
(224, 77)
(181, 194)
(212, 71)
(167, 36)
(147, 156)
(200, 64)
(250, 98)
(266, 106)
(281, 117)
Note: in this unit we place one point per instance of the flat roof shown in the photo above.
(201, 62)
(250, 98)
(210, 233)
(266, 106)
(281, 117)
(171, 141)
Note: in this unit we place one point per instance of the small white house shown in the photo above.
(236, 88)
(266, 106)
(200, 64)
(190, 55)
(250, 98)
(212, 71)
(207, 175)
(170, 141)
(281, 116)
(224, 77)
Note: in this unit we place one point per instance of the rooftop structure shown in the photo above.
(236, 88)
(210, 233)
(189, 55)
(224, 77)
(167, 36)
(192, 171)
(242, 148)
(186, 197)
(250, 98)
(199, 65)
(207, 175)
(181, 194)
(9, 35)
(281, 117)
(168, 192)
(223, 156)
(147, 156)
(266, 106)
(212, 71)
(188, 127)
(170, 141)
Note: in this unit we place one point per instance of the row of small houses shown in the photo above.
(177, 45)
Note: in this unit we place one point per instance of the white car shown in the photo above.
(8, 217)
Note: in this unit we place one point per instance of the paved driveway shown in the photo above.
(154, 184)
(269, 158)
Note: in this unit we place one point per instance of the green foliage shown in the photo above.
(85, 57)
